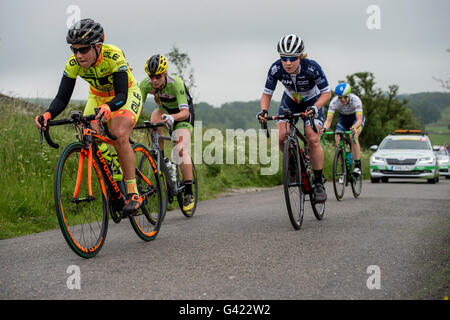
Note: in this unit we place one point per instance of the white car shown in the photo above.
(405, 154)
(443, 162)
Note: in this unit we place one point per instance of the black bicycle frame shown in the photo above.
(301, 155)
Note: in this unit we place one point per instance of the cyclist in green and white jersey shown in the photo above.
(175, 107)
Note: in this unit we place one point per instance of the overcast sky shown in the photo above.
(232, 43)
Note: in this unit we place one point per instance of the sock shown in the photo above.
(188, 187)
(132, 186)
(358, 163)
(318, 176)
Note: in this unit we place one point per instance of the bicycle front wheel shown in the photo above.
(82, 213)
(293, 193)
(147, 222)
(339, 174)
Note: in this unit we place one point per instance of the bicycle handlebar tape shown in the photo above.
(48, 139)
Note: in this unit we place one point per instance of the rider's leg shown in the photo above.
(317, 158)
(182, 155)
(356, 147)
(337, 139)
(315, 150)
(282, 130)
(122, 127)
(356, 151)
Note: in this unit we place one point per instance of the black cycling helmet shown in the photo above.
(291, 46)
(86, 31)
(156, 64)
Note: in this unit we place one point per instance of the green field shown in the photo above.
(439, 133)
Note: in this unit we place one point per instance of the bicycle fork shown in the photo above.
(111, 184)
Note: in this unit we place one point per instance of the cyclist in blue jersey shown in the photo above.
(306, 89)
(350, 118)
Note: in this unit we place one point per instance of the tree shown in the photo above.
(384, 111)
(182, 62)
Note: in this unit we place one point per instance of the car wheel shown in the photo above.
(385, 180)
(376, 180)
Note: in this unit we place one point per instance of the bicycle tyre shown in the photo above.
(194, 190)
(292, 187)
(83, 213)
(147, 221)
(357, 185)
(317, 207)
(339, 174)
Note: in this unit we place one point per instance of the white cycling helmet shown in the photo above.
(290, 46)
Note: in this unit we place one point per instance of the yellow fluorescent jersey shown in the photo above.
(99, 76)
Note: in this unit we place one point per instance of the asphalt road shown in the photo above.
(242, 246)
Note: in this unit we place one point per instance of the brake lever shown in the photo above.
(100, 125)
(264, 127)
(41, 135)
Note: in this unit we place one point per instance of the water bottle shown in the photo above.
(172, 169)
(112, 160)
(350, 158)
(116, 168)
(103, 147)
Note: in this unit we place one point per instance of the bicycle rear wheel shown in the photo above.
(339, 174)
(82, 217)
(357, 185)
(180, 199)
(147, 221)
(293, 193)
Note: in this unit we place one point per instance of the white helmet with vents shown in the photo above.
(291, 46)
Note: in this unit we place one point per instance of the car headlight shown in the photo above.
(443, 160)
(377, 160)
(428, 160)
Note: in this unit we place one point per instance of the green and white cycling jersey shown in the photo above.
(174, 96)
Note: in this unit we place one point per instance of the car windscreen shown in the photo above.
(406, 143)
(441, 153)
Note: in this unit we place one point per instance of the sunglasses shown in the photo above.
(342, 97)
(156, 76)
(82, 50)
(291, 59)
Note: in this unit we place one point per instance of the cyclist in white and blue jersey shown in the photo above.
(350, 117)
(306, 89)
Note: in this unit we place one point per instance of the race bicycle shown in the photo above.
(173, 183)
(86, 193)
(343, 164)
(297, 175)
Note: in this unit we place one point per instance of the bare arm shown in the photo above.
(323, 99)
(327, 123)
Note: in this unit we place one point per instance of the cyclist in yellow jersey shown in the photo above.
(112, 89)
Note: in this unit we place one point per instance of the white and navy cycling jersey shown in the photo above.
(352, 107)
(310, 81)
